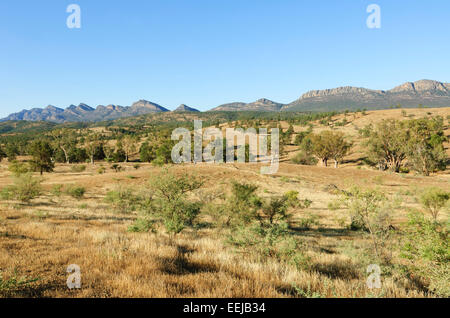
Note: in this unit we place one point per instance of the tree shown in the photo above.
(91, 143)
(425, 149)
(109, 152)
(164, 152)
(64, 139)
(318, 147)
(387, 144)
(326, 145)
(433, 200)
(339, 148)
(2, 154)
(42, 154)
(11, 151)
(147, 152)
(129, 143)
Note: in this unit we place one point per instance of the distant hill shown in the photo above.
(424, 92)
(185, 108)
(262, 105)
(409, 95)
(85, 113)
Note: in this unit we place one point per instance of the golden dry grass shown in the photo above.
(41, 239)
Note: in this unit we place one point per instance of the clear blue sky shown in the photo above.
(207, 52)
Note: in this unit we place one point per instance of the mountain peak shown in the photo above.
(421, 86)
(145, 105)
(185, 108)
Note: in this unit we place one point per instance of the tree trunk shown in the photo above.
(336, 163)
(66, 155)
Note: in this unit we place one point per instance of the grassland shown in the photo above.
(40, 239)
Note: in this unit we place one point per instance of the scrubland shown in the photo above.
(311, 249)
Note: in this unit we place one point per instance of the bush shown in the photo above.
(370, 211)
(116, 167)
(243, 204)
(17, 168)
(76, 192)
(426, 246)
(169, 202)
(142, 225)
(78, 168)
(25, 188)
(56, 190)
(122, 200)
(309, 221)
(136, 166)
(303, 158)
(101, 170)
(433, 200)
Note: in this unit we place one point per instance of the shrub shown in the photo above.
(169, 202)
(433, 200)
(122, 200)
(116, 167)
(426, 246)
(101, 170)
(142, 225)
(17, 168)
(78, 168)
(303, 158)
(76, 192)
(25, 188)
(136, 166)
(56, 190)
(10, 286)
(243, 204)
(370, 211)
(309, 221)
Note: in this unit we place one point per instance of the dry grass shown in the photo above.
(41, 239)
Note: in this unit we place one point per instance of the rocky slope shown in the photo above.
(86, 113)
(262, 104)
(185, 108)
(423, 92)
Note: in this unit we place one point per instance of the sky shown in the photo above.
(204, 53)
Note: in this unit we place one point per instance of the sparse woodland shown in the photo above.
(352, 189)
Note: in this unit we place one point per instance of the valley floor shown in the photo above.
(39, 240)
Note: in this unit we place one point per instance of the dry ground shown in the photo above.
(41, 239)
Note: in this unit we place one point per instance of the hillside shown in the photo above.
(409, 95)
(426, 93)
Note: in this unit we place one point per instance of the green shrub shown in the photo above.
(12, 285)
(76, 192)
(303, 158)
(78, 168)
(170, 203)
(116, 167)
(18, 168)
(433, 200)
(142, 225)
(136, 166)
(25, 188)
(370, 211)
(101, 170)
(310, 221)
(426, 246)
(122, 200)
(56, 190)
(243, 204)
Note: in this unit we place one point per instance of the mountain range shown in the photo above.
(411, 94)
